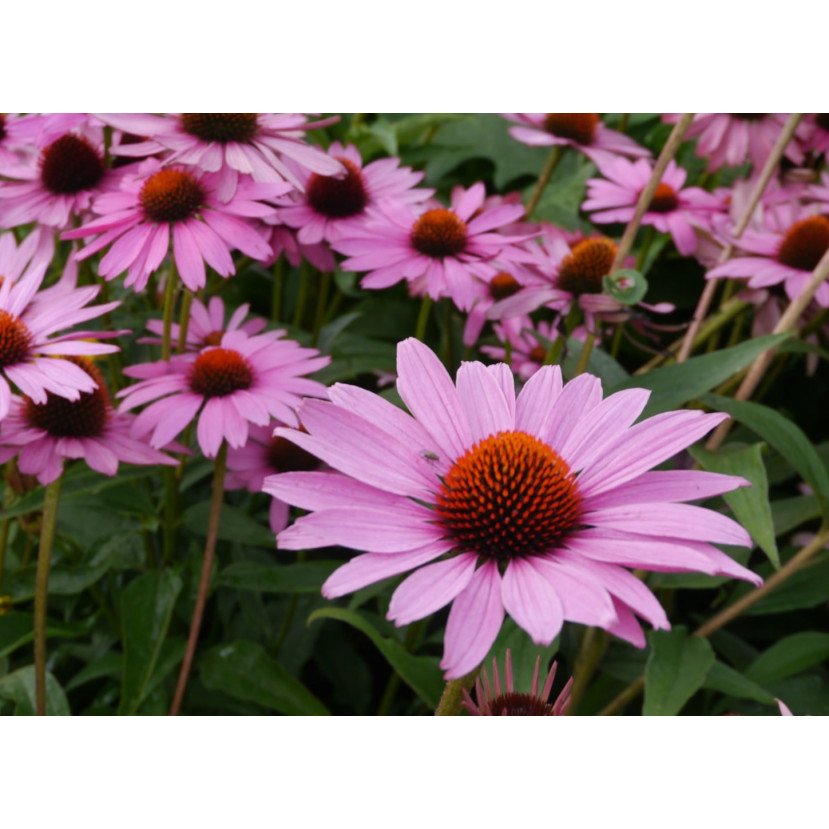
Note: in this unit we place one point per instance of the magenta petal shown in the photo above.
(430, 588)
(474, 622)
(532, 601)
(483, 402)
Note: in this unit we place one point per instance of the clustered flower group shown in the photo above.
(535, 504)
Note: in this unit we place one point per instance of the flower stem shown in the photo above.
(586, 351)
(544, 179)
(423, 318)
(322, 304)
(646, 196)
(277, 288)
(450, 700)
(302, 295)
(44, 563)
(796, 563)
(760, 185)
(169, 306)
(184, 319)
(204, 581)
(593, 645)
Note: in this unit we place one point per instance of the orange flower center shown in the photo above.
(538, 354)
(69, 165)
(576, 126)
(219, 372)
(214, 338)
(508, 496)
(664, 199)
(438, 233)
(805, 243)
(338, 197)
(582, 271)
(171, 196)
(61, 418)
(15, 340)
(503, 285)
(221, 126)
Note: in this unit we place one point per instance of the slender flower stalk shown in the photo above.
(544, 178)
(44, 563)
(785, 324)
(796, 563)
(762, 182)
(204, 581)
(423, 318)
(452, 697)
(169, 307)
(184, 320)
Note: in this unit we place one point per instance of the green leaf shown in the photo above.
(626, 285)
(750, 504)
(601, 364)
(677, 667)
(146, 609)
(420, 673)
(791, 655)
(64, 580)
(19, 688)
(671, 386)
(17, 629)
(234, 525)
(726, 680)
(789, 513)
(244, 670)
(305, 577)
(784, 435)
(524, 653)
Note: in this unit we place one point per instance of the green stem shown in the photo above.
(169, 306)
(277, 288)
(543, 179)
(302, 296)
(170, 517)
(4, 542)
(592, 647)
(322, 303)
(213, 520)
(450, 700)
(423, 318)
(647, 240)
(184, 319)
(586, 351)
(44, 563)
(616, 344)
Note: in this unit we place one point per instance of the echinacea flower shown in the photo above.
(493, 700)
(583, 131)
(265, 454)
(207, 325)
(527, 351)
(30, 356)
(56, 187)
(445, 251)
(44, 435)
(242, 381)
(783, 247)
(266, 146)
(157, 204)
(728, 139)
(534, 505)
(674, 208)
(330, 205)
(284, 240)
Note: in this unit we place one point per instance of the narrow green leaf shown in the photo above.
(789, 513)
(19, 688)
(146, 609)
(750, 504)
(726, 680)
(674, 385)
(808, 587)
(305, 577)
(784, 435)
(420, 673)
(791, 655)
(676, 669)
(244, 670)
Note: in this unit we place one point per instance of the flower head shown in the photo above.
(32, 358)
(442, 251)
(331, 205)
(674, 208)
(583, 131)
(533, 505)
(269, 147)
(493, 700)
(43, 435)
(241, 381)
(158, 203)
